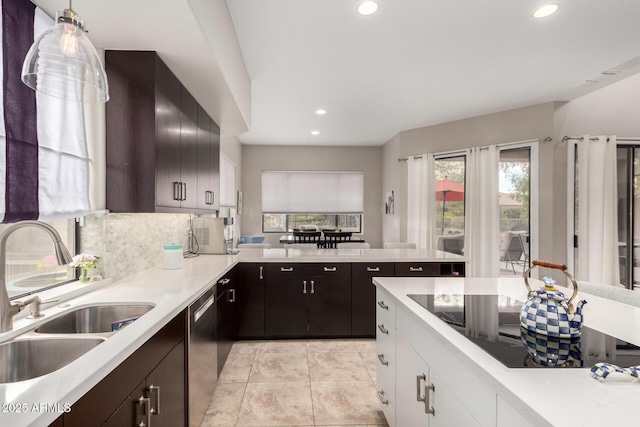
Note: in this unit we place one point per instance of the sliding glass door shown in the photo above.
(514, 199)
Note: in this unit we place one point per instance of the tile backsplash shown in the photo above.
(130, 242)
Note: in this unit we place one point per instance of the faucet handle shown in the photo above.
(35, 305)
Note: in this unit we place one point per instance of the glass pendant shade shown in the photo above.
(62, 62)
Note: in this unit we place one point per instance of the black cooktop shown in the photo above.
(493, 323)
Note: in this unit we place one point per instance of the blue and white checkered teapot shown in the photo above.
(547, 311)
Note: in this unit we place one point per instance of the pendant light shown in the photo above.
(62, 62)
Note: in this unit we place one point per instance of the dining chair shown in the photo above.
(306, 236)
(332, 238)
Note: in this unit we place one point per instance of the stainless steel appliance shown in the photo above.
(212, 235)
(203, 355)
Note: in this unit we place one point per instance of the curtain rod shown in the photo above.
(578, 138)
(404, 159)
(462, 151)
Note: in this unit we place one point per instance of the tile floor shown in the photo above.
(297, 383)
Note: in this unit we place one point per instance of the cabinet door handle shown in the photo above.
(428, 409)
(313, 288)
(383, 329)
(330, 268)
(176, 190)
(384, 361)
(383, 400)
(261, 272)
(373, 269)
(155, 389)
(145, 402)
(304, 286)
(286, 269)
(415, 268)
(419, 379)
(383, 305)
(206, 198)
(232, 292)
(184, 191)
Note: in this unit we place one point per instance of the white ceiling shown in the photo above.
(415, 63)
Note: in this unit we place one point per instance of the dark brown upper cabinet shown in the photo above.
(163, 149)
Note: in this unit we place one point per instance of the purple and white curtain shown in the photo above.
(44, 164)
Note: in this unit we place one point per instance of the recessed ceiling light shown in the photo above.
(367, 8)
(321, 111)
(315, 132)
(545, 11)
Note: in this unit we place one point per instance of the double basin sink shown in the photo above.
(61, 340)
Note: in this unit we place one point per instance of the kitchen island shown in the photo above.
(42, 400)
(471, 387)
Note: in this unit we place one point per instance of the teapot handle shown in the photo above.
(553, 265)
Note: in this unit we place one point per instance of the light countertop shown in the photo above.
(171, 291)
(347, 255)
(547, 396)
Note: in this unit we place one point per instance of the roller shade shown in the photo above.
(312, 192)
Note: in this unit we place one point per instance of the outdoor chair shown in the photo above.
(512, 250)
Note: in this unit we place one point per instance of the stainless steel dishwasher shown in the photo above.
(203, 359)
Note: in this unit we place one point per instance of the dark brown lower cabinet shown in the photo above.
(363, 296)
(251, 289)
(308, 300)
(150, 383)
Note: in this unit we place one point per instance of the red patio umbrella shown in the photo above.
(448, 191)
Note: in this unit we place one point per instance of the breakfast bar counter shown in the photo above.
(482, 390)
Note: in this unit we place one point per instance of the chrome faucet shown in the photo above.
(7, 308)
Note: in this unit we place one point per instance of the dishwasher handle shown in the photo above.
(203, 308)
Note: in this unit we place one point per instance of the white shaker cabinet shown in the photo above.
(385, 349)
(422, 399)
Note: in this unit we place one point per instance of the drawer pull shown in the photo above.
(286, 269)
(331, 269)
(383, 400)
(383, 329)
(313, 289)
(384, 361)
(415, 269)
(145, 402)
(155, 409)
(383, 305)
(261, 273)
(373, 269)
(304, 286)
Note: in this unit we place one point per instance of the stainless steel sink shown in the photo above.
(94, 319)
(23, 359)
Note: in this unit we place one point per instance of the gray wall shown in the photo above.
(612, 110)
(256, 158)
(509, 126)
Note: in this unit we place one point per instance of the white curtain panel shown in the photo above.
(482, 219)
(597, 210)
(421, 200)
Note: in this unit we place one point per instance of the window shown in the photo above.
(628, 157)
(326, 199)
(31, 262)
(449, 187)
(286, 223)
(514, 199)
(312, 191)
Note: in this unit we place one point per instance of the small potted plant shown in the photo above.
(85, 262)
